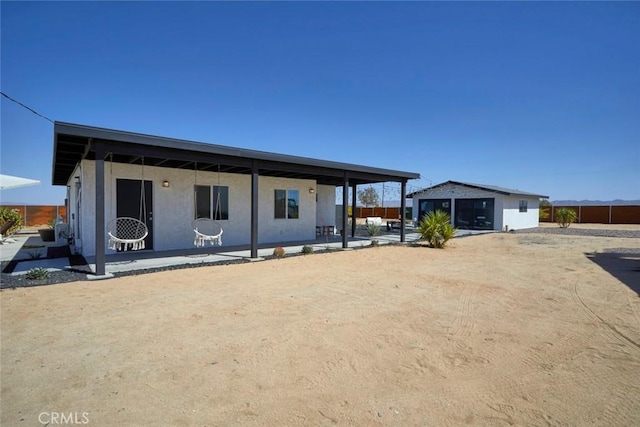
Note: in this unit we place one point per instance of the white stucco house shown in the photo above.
(478, 206)
(257, 197)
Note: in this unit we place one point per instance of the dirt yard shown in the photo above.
(499, 329)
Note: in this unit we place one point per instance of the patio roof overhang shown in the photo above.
(74, 142)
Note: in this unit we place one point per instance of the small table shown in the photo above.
(394, 223)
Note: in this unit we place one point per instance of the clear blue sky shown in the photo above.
(542, 97)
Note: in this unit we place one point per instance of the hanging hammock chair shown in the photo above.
(208, 230)
(127, 233)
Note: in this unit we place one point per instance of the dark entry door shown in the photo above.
(128, 204)
(475, 214)
(429, 205)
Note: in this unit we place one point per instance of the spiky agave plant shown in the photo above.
(436, 229)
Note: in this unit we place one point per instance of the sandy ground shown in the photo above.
(499, 329)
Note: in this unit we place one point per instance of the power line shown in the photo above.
(24, 106)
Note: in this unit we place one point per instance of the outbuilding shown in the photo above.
(167, 183)
(479, 206)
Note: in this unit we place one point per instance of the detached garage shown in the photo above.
(478, 206)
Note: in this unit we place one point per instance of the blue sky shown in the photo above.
(542, 97)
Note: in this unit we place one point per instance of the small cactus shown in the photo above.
(306, 249)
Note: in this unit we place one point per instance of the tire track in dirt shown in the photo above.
(463, 324)
(607, 328)
(628, 293)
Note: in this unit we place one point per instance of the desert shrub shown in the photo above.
(565, 217)
(306, 249)
(373, 229)
(544, 213)
(38, 273)
(375, 242)
(279, 252)
(436, 229)
(7, 214)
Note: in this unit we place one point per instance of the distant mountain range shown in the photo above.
(616, 202)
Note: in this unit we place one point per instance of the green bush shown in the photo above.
(306, 249)
(436, 229)
(544, 213)
(7, 214)
(565, 217)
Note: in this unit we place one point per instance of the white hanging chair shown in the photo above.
(207, 230)
(126, 233)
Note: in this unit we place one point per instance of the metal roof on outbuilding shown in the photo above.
(74, 142)
(490, 188)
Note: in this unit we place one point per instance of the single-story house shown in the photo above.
(479, 206)
(257, 197)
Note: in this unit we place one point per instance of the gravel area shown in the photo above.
(591, 232)
(79, 272)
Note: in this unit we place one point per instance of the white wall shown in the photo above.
(173, 207)
(272, 229)
(506, 208)
(517, 220)
(326, 205)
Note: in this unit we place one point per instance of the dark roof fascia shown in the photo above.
(504, 191)
(96, 133)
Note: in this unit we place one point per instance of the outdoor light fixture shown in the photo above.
(165, 184)
(312, 190)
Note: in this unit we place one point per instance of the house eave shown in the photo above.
(74, 143)
(505, 192)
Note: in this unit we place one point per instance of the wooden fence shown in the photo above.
(390, 213)
(36, 215)
(624, 214)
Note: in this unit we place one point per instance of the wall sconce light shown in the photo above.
(166, 184)
(312, 190)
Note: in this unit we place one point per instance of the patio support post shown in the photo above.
(100, 214)
(403, 208)
(345, 209)
(353, 211)
(254, 209)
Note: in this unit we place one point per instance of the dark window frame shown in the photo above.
(212, 192)
(524, 206)
(283, 208)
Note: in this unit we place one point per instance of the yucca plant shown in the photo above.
(37, 273)
(436, 229)
(373, 229)
(565, 217)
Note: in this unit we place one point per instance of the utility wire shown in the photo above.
(28, 108)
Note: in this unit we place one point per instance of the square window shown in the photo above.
(211, 202)
(523, 206)
(286, 204)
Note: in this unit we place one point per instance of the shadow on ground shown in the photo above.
(623, 264)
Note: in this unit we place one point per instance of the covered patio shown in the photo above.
(74, 143)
